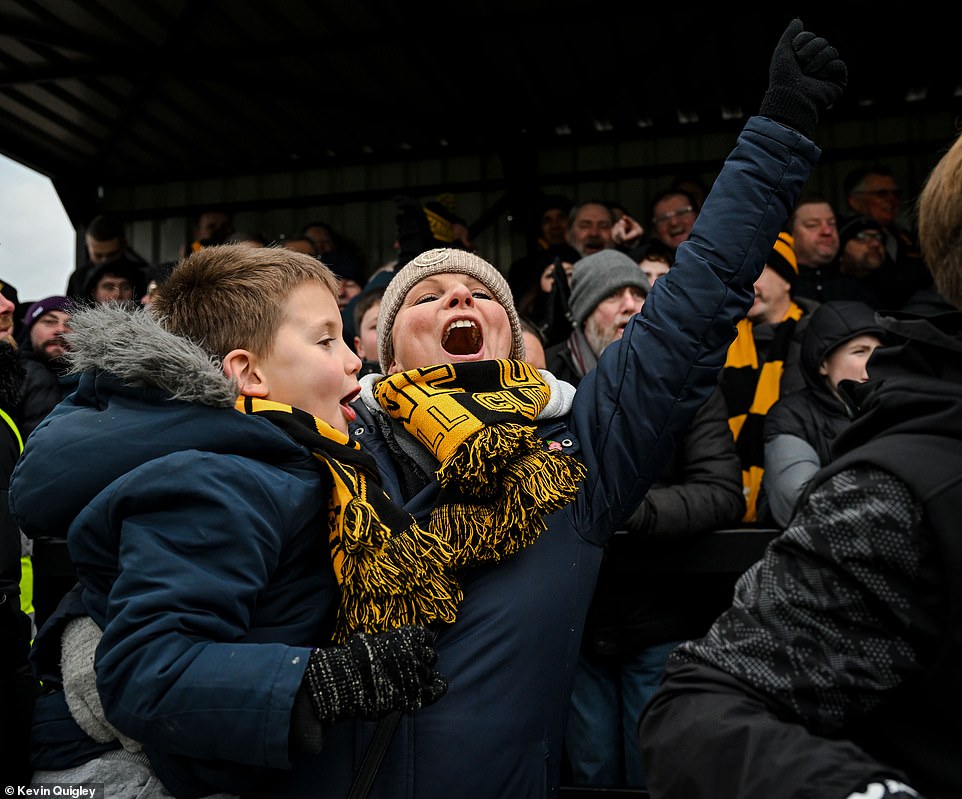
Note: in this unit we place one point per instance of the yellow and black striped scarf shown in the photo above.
(751, 387)
(498, 482)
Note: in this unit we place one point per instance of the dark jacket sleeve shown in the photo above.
(18, 687)
(765, 704)
(9, 532)
(41, 392)
(702, 490)
(740, 747)
(11, 382)
(631, 410)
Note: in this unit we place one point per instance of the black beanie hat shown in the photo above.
(852, 226)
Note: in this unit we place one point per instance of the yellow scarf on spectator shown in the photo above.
(498, 482)
(751, 387)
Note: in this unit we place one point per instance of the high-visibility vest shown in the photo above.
(26, 565)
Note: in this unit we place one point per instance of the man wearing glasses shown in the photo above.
(673, 212)
(861, 258)
(874, 192)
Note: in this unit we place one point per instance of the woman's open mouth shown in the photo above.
(462, 337)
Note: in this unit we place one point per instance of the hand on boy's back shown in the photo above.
(373, 674)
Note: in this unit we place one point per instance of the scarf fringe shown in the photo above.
(388, 582)
(480, 459)
(510, 483)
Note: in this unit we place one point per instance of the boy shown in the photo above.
(200, 536)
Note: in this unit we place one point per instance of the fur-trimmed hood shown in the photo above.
(131, 344)
(145, 399)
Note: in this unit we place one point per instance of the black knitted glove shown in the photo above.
(806, 76)
(371, 675)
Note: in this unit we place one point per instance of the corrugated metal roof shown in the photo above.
(123, 92)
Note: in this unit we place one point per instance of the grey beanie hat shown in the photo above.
(600, 275)
(437, 262)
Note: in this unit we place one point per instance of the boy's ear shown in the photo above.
(241, 366)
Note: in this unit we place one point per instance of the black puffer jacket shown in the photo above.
(801, 427)
(11, 386)
(42, 390)
(815, 414)
(837, 663)
(18, 688)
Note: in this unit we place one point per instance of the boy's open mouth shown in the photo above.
(349, 413)
(463, 337)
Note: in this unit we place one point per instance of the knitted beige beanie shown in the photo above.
(436, 262)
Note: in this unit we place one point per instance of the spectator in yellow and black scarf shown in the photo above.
(762, 365)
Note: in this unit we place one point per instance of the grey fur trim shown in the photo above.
(131, 344)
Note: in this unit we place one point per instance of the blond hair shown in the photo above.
(940, 224)
(233, 297)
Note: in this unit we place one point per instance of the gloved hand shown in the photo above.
(78, 645)
(887, 789)
(806, 76)
(371, 675)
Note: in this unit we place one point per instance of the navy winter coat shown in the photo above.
(199, 535)
(510, 656)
